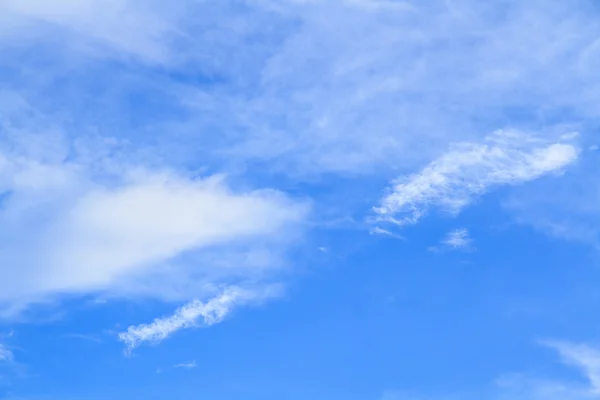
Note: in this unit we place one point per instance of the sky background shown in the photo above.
(299, 199)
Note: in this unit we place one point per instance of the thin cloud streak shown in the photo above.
(194, 314)
(188, 365)
(523, 386)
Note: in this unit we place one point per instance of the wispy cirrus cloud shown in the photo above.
(194, 314)
(584, 358)
(457, 239)
(572, 212)
(469, 170)
(99, 28)
(6, 354)
(384, 232)
(415, 76)
(187, 365)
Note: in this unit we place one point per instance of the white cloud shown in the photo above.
(187, 365)
(131, 27)
(469, 170)
(524, 386)
(572, 212)
(5, 354)
(384, 232)
(269, 85)
(193, 314)
(389, 86)
(74, 227)
(457, 239)
(583, 357)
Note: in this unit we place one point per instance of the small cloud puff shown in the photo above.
(457, 239)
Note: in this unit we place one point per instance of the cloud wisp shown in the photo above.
(572, 212)
(194, 314)
(585, 359)
(187, 365)
(98, 28)
(390, 85)
(469, 170)
(457, 239)
(6, 354)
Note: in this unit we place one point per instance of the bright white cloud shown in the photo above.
(74, 227)
(193, 314)
(469, 170)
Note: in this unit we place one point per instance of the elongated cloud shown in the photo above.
(193, 314)
(584, 357)
(187, 365)
(469, 170)
(585, 360)
(77, 228)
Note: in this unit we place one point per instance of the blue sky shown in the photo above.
(299, 199)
